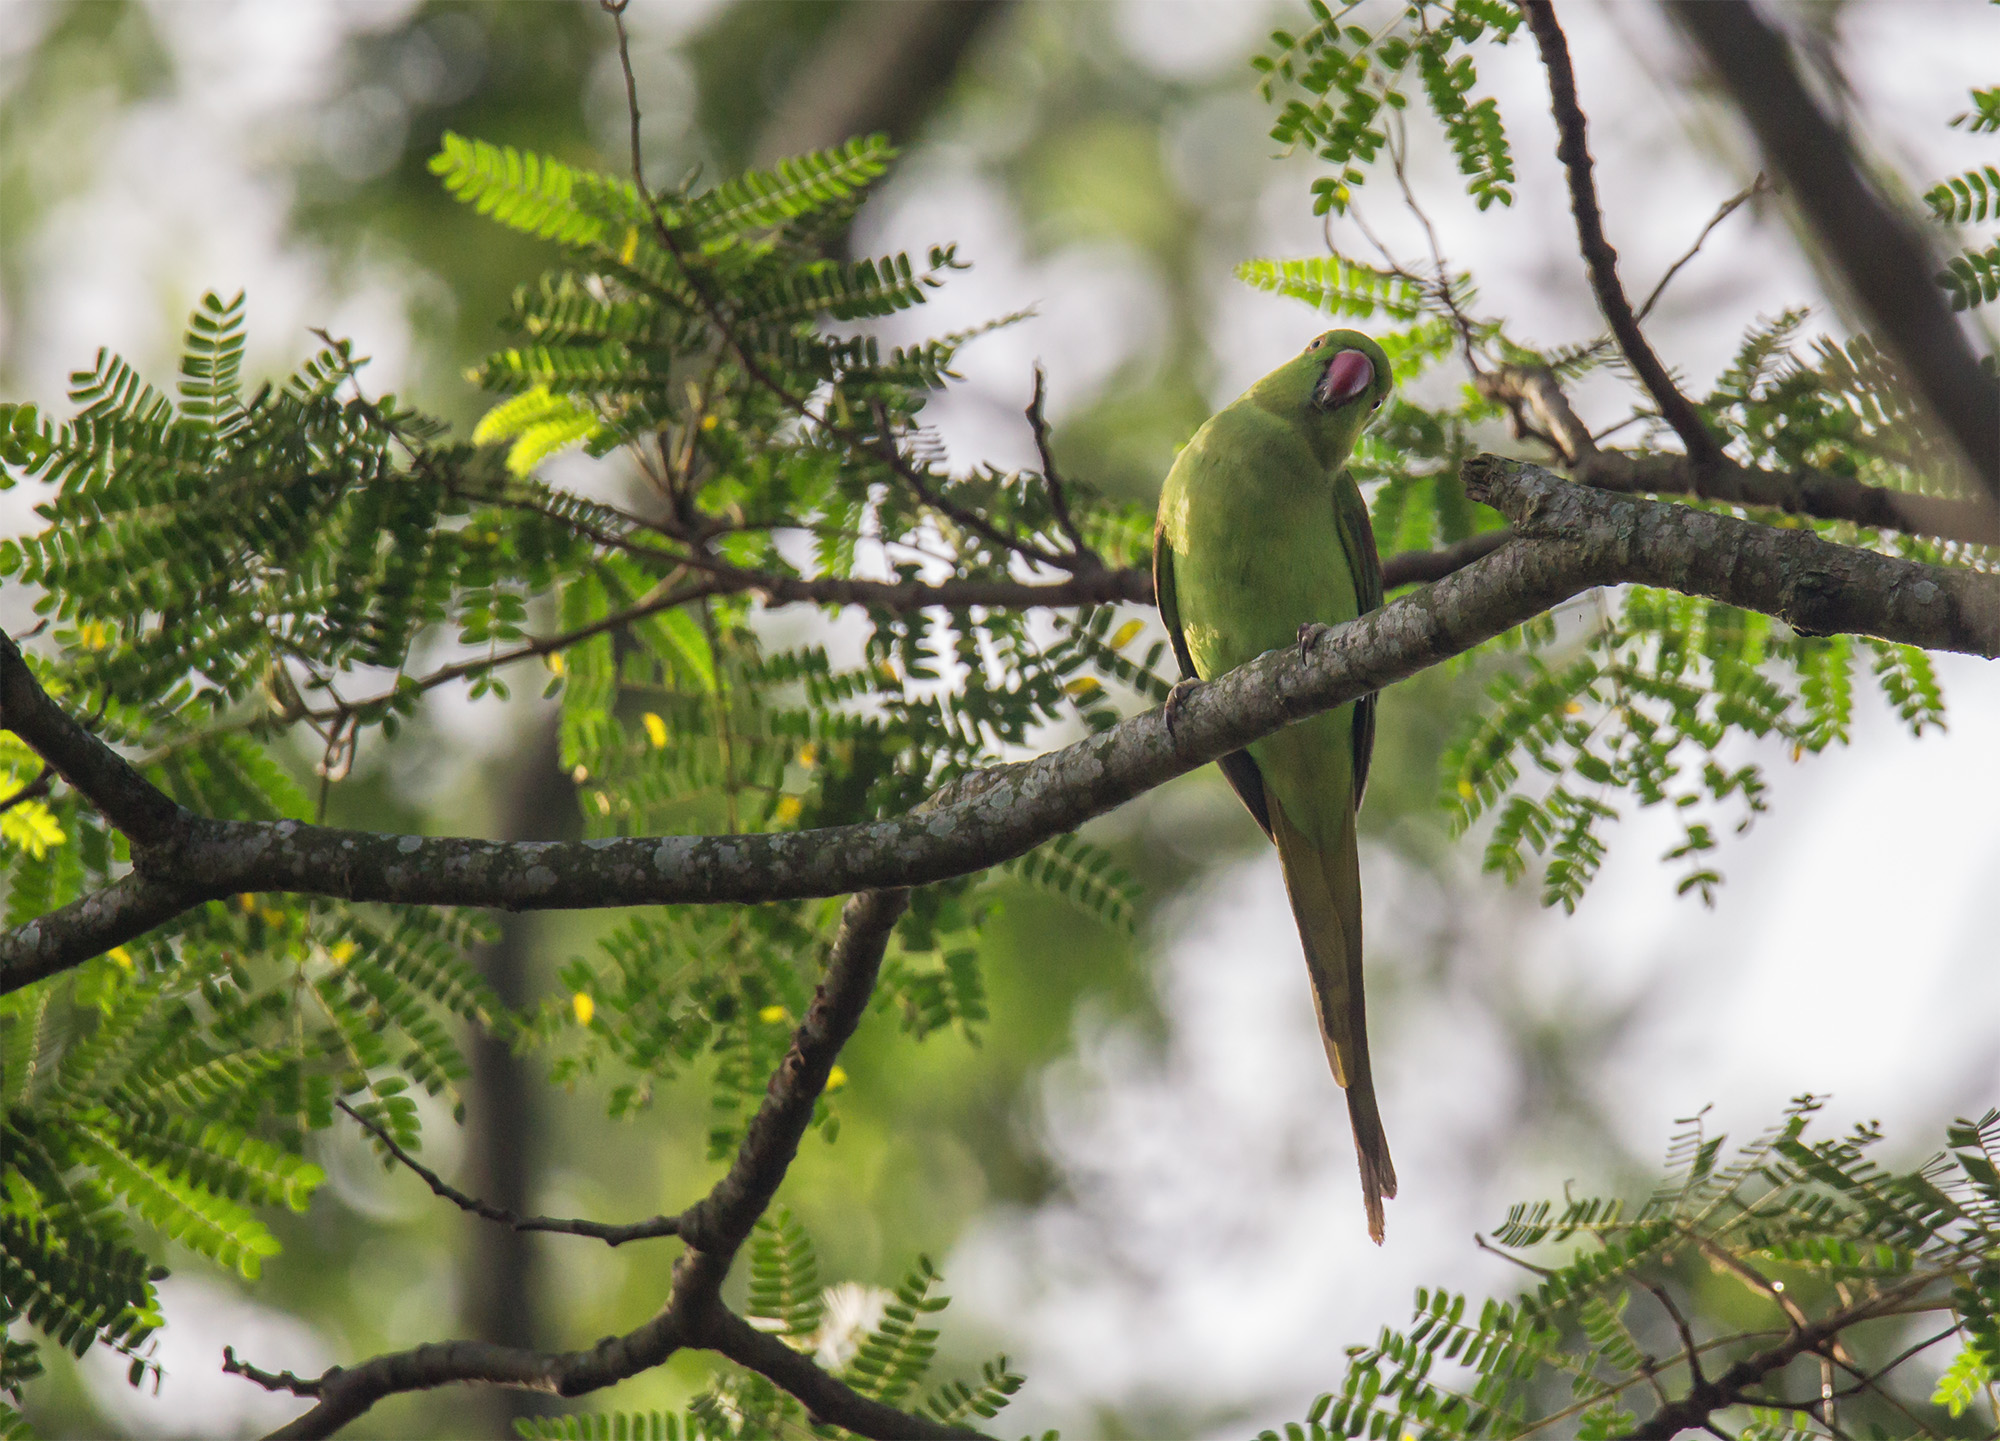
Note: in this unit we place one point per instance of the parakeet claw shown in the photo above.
(1171, 706)
(1311, 631)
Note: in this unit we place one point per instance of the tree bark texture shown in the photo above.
(1568, 538)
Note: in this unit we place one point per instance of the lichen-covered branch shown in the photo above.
(1534, 389)
(714, 1227)
(1568, 538)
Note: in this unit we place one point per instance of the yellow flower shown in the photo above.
(787, 810)
(1465, 789)
(771, 1015)
(555, 662)
(709, 422)
(341, 952)
(809, 757)
(122, 956)
(631, 246)
(656, 730)
(584, 1007)
(835, 1079)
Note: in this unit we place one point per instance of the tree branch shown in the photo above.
(714, 1227)
(1058, 498)
(144, 813)
(826, 1397)
(1419, 567)
(1573, 150)
(1881, 256)
(719, 1223)
(610, 1235)
(1704, 1399)
(1568, 538)
(1817, 493)
(878, 68)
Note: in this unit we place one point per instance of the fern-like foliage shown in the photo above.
(1971, 277)
(1339, 83)
(1682, 1300)
(236, 576)
(1337, 285)
(874, 1341)
(1643, 713)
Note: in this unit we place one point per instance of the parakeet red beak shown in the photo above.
(1347, 378)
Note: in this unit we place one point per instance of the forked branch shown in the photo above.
(714, 1227)
(1573, 149)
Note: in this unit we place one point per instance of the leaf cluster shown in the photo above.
(1688, 1298)
(1972, 277)
(1341, 83)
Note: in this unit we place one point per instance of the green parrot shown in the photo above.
(1261, 532)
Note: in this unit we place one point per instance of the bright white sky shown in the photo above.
(1212, 1260)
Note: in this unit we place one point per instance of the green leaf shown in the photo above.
(1336, 285)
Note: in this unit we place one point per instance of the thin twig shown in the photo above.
(1688, 1346)
(34, 790)
(1526, 1265)
(646, 1230)
(1733, 1386)
(269, 1380)
(1442, 285)
(1051, 480)
(1760, 186)
(616, 10)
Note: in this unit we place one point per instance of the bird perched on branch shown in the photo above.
(1262, 532)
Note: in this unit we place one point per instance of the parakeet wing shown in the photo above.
(1358, 539)
(1237, 768)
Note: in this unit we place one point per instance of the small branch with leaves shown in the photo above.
(714, 1229)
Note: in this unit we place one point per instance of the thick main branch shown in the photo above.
(1568, 539)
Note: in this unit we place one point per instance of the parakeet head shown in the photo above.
(1330, 391)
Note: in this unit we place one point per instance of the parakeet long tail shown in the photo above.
(1324, 884)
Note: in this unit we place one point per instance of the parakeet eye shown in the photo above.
(1318, 341)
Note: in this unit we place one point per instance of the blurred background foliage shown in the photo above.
(1126, 157)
